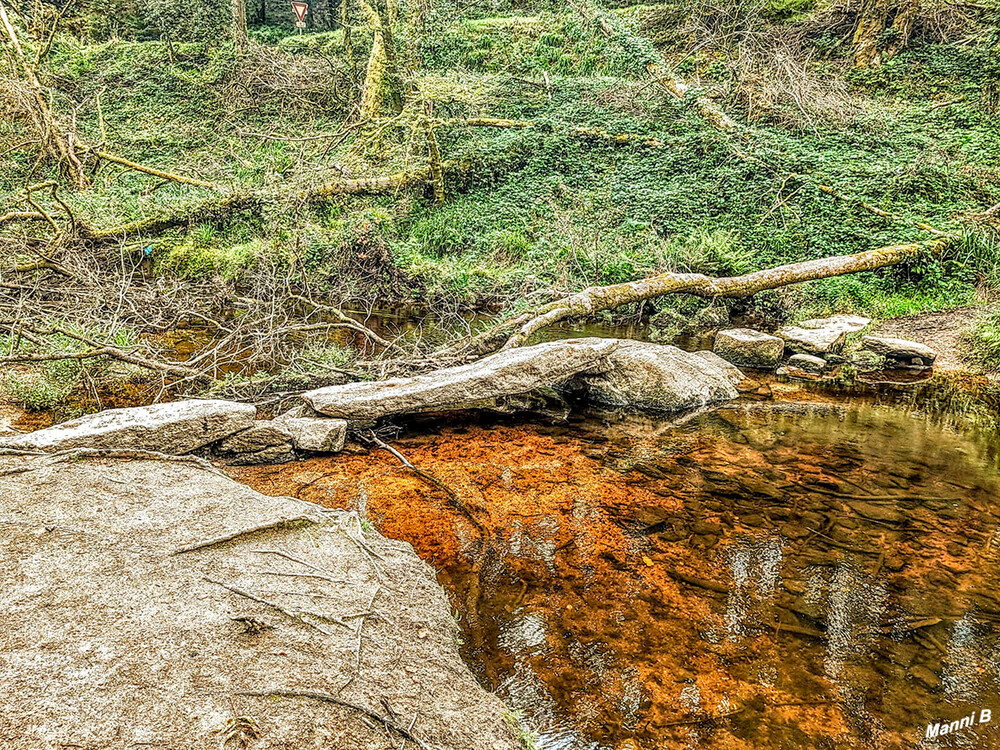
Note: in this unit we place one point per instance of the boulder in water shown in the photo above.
(822, 335)
(657, 376)
(749, 348)
(508, 373)
(901, 351)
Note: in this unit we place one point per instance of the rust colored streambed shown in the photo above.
(769, 575)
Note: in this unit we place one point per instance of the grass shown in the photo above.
(984, 342)
(525, 738)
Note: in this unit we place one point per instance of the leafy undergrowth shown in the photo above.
(984, 341)
(543, 208)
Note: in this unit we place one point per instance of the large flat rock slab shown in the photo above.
(110, 639)
(822, 335)
(174, 428)
(908, 353)
(508, 373)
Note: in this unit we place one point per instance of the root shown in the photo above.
(385, 721)
(283, 523)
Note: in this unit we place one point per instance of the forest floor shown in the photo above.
(945, 332)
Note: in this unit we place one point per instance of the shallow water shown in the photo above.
(765, 575)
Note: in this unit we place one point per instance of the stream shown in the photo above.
(805, 571)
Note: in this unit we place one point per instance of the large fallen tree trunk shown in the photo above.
(596, 299)
(215, 209)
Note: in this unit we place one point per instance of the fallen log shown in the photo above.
(216, 209)
(658, 69)
(596, 299)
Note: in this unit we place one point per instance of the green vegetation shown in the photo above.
(527, 739)
(984, 341)
(544, 207)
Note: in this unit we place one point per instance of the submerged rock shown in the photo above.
(822, 335)
(749, 348)
(113, 637)
(174, 428)
(662, 377)
(807, 363)
(507, 373)
(906, 353)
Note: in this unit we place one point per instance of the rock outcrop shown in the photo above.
(113, 637)
(749, 348)
(656, 376)
(174, 428)
(612, 371)
(900, 352)
(822, 335)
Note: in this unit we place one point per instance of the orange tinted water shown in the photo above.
(762, 576)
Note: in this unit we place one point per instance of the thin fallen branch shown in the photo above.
(453, 497)
(217, 209)
(346, 321)
(294, 559)
(148, 170)
(885, 214)
(97, 350)
(283, 523)
(327, 698)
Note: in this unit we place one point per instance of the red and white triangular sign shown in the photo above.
(300, 10)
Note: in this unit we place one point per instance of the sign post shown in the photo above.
(300, 14)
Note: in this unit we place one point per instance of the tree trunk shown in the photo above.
(599, 298)
(383, 84)
(902, 27)
(239, 23)
(658, 70)
(871, 24)
(434, 154)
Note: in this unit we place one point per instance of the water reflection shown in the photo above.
(808, 575)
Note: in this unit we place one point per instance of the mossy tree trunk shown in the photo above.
(902, 27)
(596, 299)
(868, 33)
(239, 25)
(883, 30)
(383, 87)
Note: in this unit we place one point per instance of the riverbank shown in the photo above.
(139, 607)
